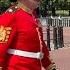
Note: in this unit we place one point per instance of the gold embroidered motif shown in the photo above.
(52, 67)
(4, 33)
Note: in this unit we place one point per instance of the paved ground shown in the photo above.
(62, 58)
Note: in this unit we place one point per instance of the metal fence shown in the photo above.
(58, 21)
(53, 28)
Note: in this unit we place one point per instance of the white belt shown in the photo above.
(37, 55)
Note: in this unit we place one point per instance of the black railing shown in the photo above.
(57, 24)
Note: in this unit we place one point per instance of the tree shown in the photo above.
(4, 5)
(43, 8)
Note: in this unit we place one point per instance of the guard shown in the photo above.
(21, 39)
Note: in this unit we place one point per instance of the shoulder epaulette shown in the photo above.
(12, 9)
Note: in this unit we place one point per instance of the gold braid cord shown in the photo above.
(52, 67)
(4, 33)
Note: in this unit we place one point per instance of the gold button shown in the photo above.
(7, 36)
(8, 32)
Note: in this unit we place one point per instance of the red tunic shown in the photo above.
(18, 31)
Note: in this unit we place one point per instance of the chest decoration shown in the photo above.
(4, 34)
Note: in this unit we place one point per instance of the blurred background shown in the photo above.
(55, 18)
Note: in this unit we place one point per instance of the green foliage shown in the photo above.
(49, 7)
(43, 8)
(4, 5)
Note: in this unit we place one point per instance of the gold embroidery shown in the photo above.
(4, 33)
(52, 67)
(7, 36)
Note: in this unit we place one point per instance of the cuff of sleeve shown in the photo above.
(51, 67)
(0, 67)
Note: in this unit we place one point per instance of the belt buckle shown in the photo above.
(40, 55)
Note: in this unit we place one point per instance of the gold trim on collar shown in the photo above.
(23, 7)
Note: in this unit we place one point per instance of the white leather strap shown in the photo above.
(37, 55)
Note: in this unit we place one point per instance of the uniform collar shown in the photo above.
(25, 8)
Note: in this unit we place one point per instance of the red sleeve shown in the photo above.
(7, 32)
(46, 61)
